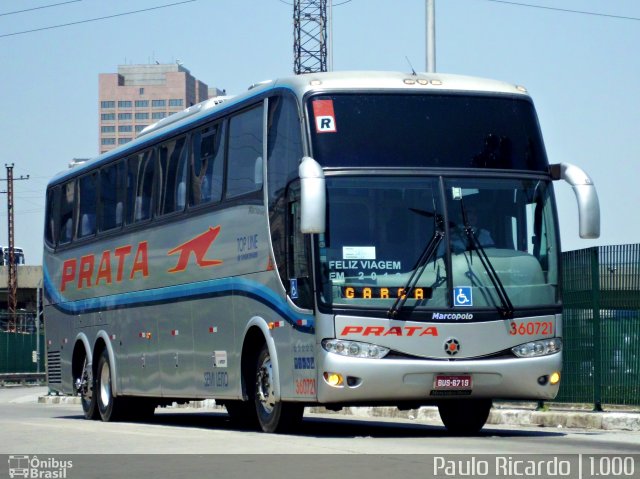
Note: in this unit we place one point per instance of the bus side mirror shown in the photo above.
(313, 198)
(586, 196)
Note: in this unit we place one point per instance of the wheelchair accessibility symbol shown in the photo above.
(462, 296)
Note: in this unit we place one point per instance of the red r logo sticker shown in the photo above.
(325, 116)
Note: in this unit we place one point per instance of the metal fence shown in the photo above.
(21, 344)
(601, 334)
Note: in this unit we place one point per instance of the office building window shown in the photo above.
(141, 91)
(158, 103)
(108, 141)
(124, 116)
(158, 115)
(142, 103)
(107, 104)
(122, 141)
(125, 128)
(139, 128)
(108, 129)
(175, 102)
(124, 104)
(108, 116)
(142, 116)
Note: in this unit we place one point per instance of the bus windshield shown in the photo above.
(428, 130)
(379, 226)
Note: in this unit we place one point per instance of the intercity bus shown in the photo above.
(335, 239)
(18, 255)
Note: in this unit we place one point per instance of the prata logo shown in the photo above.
(452, 346)
(198, 246)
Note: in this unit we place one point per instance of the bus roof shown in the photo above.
(301, 85)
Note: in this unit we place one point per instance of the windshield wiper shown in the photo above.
(429, 252)
(507, 307)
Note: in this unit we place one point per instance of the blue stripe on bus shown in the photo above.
(182, 292)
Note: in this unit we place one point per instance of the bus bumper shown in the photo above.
(389, 380)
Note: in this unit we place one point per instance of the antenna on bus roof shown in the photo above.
(413, 72)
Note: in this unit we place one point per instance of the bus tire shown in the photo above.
(111, 408)
(465, 416)
(87, 392)
(273, 416)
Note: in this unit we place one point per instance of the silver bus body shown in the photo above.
(178, 303)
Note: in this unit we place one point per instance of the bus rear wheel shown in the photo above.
(111, 408)
(85, 385)
(464, 416)
(273, 415)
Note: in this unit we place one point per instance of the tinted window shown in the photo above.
(207, 164)
(284, 151)
(50, 230)
(173, 175)
(428, 130)
(112, 194)
(88, 191)
(140, 186)
(66, 212)
(244, 171)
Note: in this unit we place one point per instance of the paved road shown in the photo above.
(44, 429)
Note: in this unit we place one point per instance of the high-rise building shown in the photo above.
(139, 95)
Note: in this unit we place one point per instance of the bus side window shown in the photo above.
(141, 170)
(300, 282)
(284, 150)
(88, 189)
(244, 171)
(50, 230)
(132, 176)
(173, 175)
(66, 212)
(207, 164)
(112, 196)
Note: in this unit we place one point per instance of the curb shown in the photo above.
(609, 421)
(606, 421)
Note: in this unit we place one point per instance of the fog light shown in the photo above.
(555, 378)
(543, 380)
(333, 379)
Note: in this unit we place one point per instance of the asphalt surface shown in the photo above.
(554, 415)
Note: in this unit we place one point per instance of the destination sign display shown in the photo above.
(352, 292)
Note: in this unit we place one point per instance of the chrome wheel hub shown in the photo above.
(264, 386)
(105, 385)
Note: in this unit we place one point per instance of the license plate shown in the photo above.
(453, 383)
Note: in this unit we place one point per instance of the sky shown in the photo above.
(581, 70)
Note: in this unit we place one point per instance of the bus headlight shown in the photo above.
(542, 347)
(354, 349)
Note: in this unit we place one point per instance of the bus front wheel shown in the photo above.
(273, 415)
(464, 416)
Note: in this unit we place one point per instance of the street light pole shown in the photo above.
(430, 29)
